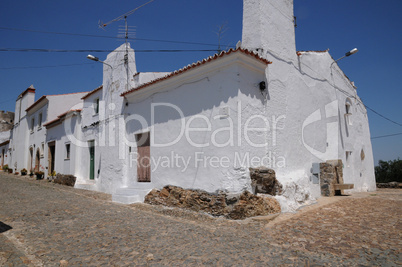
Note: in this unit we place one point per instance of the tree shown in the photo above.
(389, 171)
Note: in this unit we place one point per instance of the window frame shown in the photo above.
(67, 150)
(96, 106)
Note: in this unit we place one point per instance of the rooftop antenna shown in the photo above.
(124, 16)
(221, 31)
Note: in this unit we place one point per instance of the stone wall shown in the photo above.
(331, 172)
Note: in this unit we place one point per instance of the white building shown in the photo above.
(28, 142)
(203, 126)
(210, 121)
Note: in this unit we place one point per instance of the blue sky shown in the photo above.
(371, 26)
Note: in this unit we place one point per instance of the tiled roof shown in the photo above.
(59, 118)
(36, 103)
(45, 96)
(199, 63)
(92, 92)
(30, 89)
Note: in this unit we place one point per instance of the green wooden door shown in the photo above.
(91, 162)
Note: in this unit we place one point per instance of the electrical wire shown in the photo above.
(49, 66)
(388, 135)
(110, 37)
(102, 50)
(388, 119)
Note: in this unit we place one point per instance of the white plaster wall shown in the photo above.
(65, 133)
(58, 104)
(115, 82)
(4, 136)
(145, 77)
(88, 112)
(20, 133)
(306, 89)
(268, 26)
(37, 137)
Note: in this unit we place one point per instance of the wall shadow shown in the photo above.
(4, 227)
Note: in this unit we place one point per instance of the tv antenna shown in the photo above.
(124, 16)
(127, 30)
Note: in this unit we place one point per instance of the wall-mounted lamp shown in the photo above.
(351, 52)
(91, 57)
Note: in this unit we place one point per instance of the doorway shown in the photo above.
(2, 158)
(91, 160)
(37, 160)
(144, 157)
(30, 162)
(51, 156)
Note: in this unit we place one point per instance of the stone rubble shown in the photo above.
(231, 206)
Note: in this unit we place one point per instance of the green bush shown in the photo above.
(389, 171)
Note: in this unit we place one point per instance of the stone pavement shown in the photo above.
(55, 225)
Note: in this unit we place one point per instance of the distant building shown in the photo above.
(6, 120)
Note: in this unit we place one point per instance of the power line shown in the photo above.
(110, 37)
(367, 107)
(49, 66)
(101, 50)
(388, 119)
(388, 135)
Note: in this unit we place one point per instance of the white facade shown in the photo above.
(4, 154)
(29, 137)
(208, 122)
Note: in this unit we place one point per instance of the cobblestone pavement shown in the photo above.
(55, 225)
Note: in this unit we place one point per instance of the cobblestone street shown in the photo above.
(54, 225)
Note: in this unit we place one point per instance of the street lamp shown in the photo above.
(351, 52)
(91, 57)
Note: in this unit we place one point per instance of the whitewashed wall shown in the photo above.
(66, 133)
(20, 132)
(309, 90)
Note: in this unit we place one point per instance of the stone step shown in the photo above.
(129, 195)
(126, 199)
(343, 186)
(88, 186)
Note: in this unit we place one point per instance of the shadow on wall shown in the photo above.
(4, 227)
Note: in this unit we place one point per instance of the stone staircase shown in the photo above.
(132, 193)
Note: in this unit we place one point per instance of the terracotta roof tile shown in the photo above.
(45, 96)
(59, 118)
(92, 92)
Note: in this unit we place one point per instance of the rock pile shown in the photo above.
(65, 179)
(231, 206)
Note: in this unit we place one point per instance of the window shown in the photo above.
(32, 124)
(348, 109)
(40, 121)
(96, 106)
(43, 150)
(67, 151)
